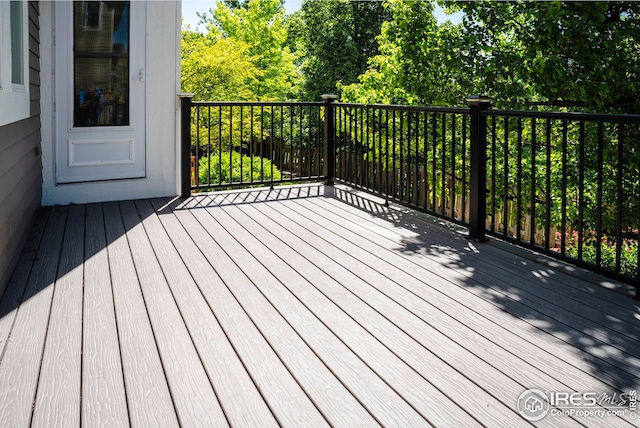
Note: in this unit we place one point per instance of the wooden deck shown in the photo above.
(295, 308)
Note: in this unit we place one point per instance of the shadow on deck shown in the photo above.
(297, 306)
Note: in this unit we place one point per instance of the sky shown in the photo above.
(190, 7)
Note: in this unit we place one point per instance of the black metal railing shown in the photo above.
(414, 155)
(564, 184)
(243, 144)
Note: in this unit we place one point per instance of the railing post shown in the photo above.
(185, 144)
(329, 139)
(478, 166)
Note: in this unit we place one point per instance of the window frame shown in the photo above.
(14, 98)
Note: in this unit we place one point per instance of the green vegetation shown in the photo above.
(523, 54)
(235, 168)
(242, 57)
(334, 40)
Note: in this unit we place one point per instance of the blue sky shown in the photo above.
(190, 7)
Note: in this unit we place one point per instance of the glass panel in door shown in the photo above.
(101, 63)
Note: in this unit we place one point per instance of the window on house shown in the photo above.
(17, 48)
(14, 77)
(92, 15)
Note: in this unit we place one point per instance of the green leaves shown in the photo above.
(243, 56)
(336, 39)
(217, 68)
(524, 54)
(225, 168)
(418, 63)
(261, 26)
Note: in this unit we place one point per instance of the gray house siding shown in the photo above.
(20, 165)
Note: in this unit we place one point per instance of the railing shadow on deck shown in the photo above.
(247, 196)
(545, 298)
(58, 246)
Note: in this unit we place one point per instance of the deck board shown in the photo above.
(409, 337)
(439, 332)
(193, 396)
(383, 403)
(223, 366)
(148, 397)
(540, 282)
(15, 288)
(22, 357)
(295, 307)
(58, 392)
(390, 362)
(103, 398)
(572, 307)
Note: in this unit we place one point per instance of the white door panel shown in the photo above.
(100, 90)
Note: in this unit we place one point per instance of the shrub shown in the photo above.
(225, 169)
(628, 253)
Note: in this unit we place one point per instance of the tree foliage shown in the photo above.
(574, 54)
(260, 26)
(523, 54)
(335, 39)
(416, 64)
(216, 68)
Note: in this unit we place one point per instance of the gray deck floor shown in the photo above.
(292, 308)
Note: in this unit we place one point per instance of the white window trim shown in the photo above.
(14, 99)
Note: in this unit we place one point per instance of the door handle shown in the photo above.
(141, 76)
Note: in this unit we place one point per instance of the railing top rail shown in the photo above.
(570, 116)
(453, 110)
(255, 103)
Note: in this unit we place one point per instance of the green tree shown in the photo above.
(260, 26)
(561, 54)
(524, 54)
(216, 68)
(420, 62)
(335, 39)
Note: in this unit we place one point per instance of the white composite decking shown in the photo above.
(295, 308)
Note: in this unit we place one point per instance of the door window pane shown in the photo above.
(101, 63)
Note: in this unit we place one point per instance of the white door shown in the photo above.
(99, 90)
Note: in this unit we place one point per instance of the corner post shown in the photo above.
(185, 144)
(329, 139)
(478, 166)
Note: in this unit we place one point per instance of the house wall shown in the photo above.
(162, 86)
(20, 165)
